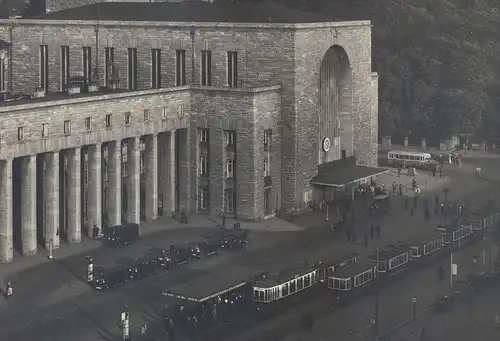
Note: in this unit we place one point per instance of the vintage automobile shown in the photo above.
(145, 267)
(164, 259)
(180, 255)
(109, 278)
(205, 249)
(234, 241)
(121, 234)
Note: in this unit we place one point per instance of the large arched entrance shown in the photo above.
(335, 102)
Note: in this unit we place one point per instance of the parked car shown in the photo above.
(109, 278)
(205, 249)
(165, 259)
(234, 241)
(121, 234)
(180, 255)
(145, 267)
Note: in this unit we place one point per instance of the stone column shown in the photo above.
(94, 188)
(6, 232)
(51, 199)
(74, 196)
(173, 173)
(133, 181)
(151, 177)
(114, 195)
(28, 206)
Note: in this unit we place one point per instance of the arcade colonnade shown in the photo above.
(47, 198)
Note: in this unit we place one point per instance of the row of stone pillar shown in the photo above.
(51, 193)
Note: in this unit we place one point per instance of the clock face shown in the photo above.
(326, 144)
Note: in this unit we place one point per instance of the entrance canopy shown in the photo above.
(343, 172)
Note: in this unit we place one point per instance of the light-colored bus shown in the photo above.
(410, 159)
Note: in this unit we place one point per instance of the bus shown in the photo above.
(410, 159)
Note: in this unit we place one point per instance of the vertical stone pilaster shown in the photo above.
(133, 181)
(94, 188)
(28, 206)
(74, 196)
(6, 227)
(151, 177)
(51, 199)
(114, 197)
(173, 171)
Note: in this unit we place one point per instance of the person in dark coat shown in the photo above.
(441, 274)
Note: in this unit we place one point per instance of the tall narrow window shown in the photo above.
(203, 165)
(232, 69)
(180, 70)
(203, 135)
(64, 67)
(109, 67)
(203, 199)
(86, 168)
(124, 159)
(67, 127)
(105, 164)
(230, 136)
(45, 129)
(2, 74)
(44, 67)
(229, 168)
(20, 133)
(87, 63)
(155, 68)
(132, 69)
(229, 201)
(206, 68)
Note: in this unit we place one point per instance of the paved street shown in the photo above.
(52, 301)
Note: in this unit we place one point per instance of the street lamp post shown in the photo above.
(125, 319)
(414, 300)
(327, 216)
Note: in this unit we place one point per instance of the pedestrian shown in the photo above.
(400, 189)
(366, 240)
(372, 232)
(412, 212)
(379, 231)
(441, 274)
(394, 187)
(8, 290)
(144, 329)
(348, 234)
(399, 171)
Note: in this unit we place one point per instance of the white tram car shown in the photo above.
(349, 281)
(454, 235)
(426, 247)
(392, 259)
(327, 269)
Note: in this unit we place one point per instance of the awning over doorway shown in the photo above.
(343, 172)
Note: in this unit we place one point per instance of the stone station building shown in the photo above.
(119, 112)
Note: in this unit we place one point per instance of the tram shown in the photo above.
(425, 247)
(455, 236)
(327, 269)
(352, 280)
(392, 259)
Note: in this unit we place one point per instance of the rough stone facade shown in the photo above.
(278, 76)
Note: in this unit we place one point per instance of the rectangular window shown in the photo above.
(203, 135)
(203, 165)
(267, 171)
(142, 161)
(105, 164)
(132, 69)
(67, 127)
(124, 153)
(155, 68)
(180, 67)
(229, 169)
(229, 202)
(108, 120)
(2, 74)
(110, 76)
(127, 117)
(44, 67)
(87, 63)
(64, 67)
(88, 123)
(86, 169)
(267, 137)
(146, 115)
(45, 129)
(206, 68)
(230, 138)
(203, 200)
(164, 112)
(232, 69)
(20, 133)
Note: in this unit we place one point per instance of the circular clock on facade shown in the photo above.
(326, 144)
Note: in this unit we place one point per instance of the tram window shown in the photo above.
(293, 287)
(415, 251)
(307, 281)
(300, 284)
(256, 295)
(330, 283)
(342, 284)
(284, 290)
(261, 296)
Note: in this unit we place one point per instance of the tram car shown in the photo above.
(352, 280)
(426, 247)
(453, 235)
(391, 259)
(326, 269)
(278, 291)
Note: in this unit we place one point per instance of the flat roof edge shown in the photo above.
(52, 22)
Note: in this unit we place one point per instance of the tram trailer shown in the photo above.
(392, 259)
(426, 249)
(352, 281)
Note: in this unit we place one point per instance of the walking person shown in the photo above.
(441, 274)
(366, 240)
(8, 290)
